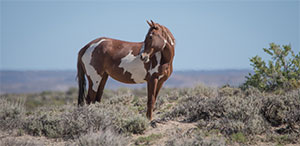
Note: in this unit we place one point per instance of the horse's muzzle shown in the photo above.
(145, 57)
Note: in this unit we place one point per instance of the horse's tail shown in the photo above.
(81, 79)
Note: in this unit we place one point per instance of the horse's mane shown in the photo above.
(167, 35)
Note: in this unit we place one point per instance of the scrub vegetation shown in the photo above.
(189, 116)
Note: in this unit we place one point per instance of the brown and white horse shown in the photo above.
(128, 62)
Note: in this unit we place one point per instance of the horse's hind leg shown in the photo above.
(101, 87)
(91, 94)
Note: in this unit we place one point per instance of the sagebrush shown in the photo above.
(221, 116)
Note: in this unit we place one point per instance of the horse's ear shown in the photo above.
(149, 23)
(153, 24)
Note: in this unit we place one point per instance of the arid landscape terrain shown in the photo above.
(198, 115)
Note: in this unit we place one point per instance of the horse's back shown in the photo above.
(117, 58)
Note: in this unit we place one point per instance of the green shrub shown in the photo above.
(279, 74)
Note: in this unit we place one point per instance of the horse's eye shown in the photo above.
(150, 36)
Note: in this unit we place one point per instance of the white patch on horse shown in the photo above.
(160, 77)
(90, 70)
(155, 69)
(165, 43)
(135, 66)
(172, 43)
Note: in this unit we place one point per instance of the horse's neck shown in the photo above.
(168, 54)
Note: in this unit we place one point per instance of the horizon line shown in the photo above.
(179, 70)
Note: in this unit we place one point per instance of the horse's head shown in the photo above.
(154, 41)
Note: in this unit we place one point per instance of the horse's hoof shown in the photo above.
(153, 124)
(149, 116)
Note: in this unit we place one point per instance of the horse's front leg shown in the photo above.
(152, 87)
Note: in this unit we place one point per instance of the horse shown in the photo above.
(150, 61)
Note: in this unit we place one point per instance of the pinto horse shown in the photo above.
(128, 62)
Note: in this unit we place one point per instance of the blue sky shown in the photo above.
(46, 35)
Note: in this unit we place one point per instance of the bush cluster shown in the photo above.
(11, 114)
(280, 74)
(235, 111)
(71, 122)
